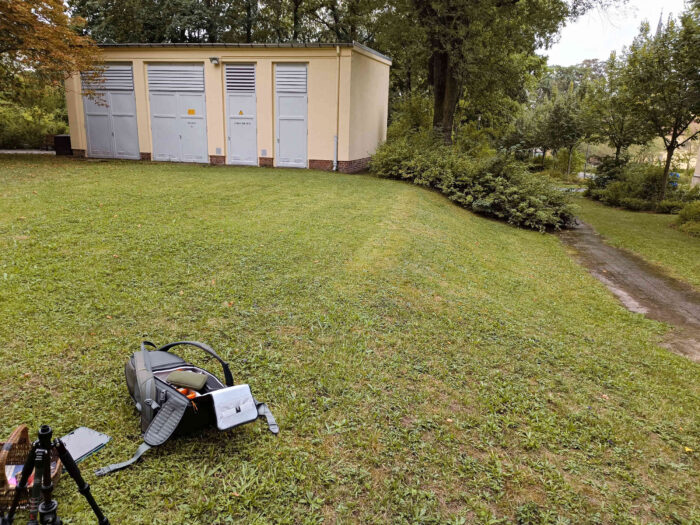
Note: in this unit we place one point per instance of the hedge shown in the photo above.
(497, 186)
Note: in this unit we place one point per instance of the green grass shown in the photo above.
(652, 236)
(424, 364)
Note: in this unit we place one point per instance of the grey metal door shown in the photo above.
(241, 121)
(291, 109)
(178, 112)
(110, 116)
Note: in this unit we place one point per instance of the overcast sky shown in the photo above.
(600, 31)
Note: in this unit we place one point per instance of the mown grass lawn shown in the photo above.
(649, 235)
(425, 364)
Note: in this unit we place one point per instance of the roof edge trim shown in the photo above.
(252, 45)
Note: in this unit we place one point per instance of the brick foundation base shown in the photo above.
(217, 160)
(265, 162)
(353, 166)
(78, 152)
(326, 165)
(145, 156)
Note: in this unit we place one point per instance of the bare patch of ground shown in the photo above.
(641, 287)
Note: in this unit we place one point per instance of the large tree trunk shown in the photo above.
(295, 20)
(667, 168)
(568, 166)
(445, 93)
(618, 149)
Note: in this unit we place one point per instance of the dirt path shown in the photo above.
(642, 288)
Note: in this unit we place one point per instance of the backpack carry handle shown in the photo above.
(228, 377)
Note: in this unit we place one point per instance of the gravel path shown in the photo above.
(641, 287)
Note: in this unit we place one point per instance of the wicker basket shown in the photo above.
(14, 452)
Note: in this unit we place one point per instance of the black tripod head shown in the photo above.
(45, 437)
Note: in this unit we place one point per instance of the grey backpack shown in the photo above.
(173, 395)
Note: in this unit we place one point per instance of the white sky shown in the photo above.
(600, 31)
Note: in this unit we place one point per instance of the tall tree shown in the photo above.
(157, 20)
(470, 39)
(564, 126)
(664, 76)
(39, 36)
(610, 112)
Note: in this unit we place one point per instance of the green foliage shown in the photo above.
(669, 206)
(635, 187)
(216, 21)
(474, 141)
(410, 114)
(497, 186)
(610, 109)
(662, 76)
(637, 183)
(689, 219)
(561, 161)
(564, 123)
(635, 204)
(610, 169)
(28, 127)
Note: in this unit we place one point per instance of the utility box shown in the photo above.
(61, 143)
(322, 106)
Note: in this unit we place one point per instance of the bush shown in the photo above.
(687, 194)
(689, 219)
(475, 142)
(497, 186)
(690, 212)
(637, 189)
(22, 127)
(669, 206)
(410, 114)
(634, 204)
(609, 170)
(691, 228)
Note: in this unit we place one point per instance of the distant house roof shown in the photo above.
(254, 45)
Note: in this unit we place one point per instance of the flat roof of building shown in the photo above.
(254, 45)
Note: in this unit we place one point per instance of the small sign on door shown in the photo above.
(190, 111)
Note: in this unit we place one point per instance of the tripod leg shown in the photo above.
(48, 508)
(83, 487)
(22, 485)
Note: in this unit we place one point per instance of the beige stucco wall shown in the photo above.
(696, 176)
(344, 93)
(369, 104)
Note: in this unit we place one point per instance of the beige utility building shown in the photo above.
(319, 106)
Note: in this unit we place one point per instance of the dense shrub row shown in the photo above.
(636, 187)
(497, 186)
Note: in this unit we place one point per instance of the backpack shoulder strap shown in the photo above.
(228, 377)
(118, 466)
(263, 411)
(167, 419)
(161, 428)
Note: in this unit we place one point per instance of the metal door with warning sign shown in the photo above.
(241, 122)
(178, 112)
